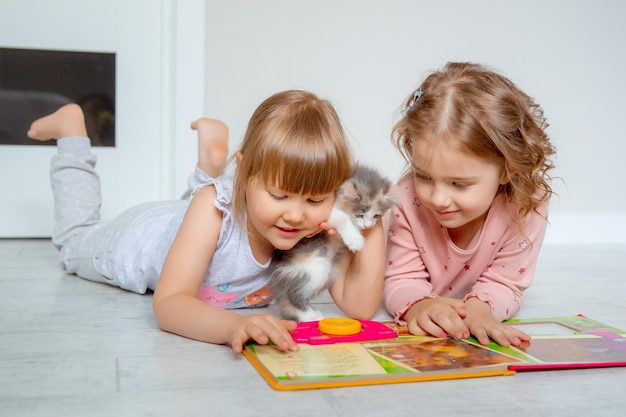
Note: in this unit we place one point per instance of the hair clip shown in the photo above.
(415, 99)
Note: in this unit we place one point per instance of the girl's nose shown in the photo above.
(439, 197)
(294, 213)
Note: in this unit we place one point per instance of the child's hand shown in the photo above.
(440, 317)
(263, 329)
(328, 228)
(484, 325)
(324, 226)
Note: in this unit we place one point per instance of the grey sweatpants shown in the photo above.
(87, 243)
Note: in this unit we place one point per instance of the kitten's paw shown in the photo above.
(310, 315)
(354, 242)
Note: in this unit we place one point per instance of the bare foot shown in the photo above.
(68, 120)
(212, 145)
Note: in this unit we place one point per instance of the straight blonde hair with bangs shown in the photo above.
(296, 142)
(483, 114)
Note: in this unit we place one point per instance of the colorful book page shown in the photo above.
(430, 354)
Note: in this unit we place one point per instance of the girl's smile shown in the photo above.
(287, 232)
(447, 214)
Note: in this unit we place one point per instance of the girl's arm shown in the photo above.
(175, 305)
(409, 293)
(357, 291)
(498, 293)
(407, 280)
(512, 268)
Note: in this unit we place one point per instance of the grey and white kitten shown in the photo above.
(300, 274)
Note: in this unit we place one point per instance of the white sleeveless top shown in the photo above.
(234, 279)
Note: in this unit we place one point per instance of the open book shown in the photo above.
(557, 342)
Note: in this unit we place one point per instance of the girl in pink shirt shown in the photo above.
(463, 241)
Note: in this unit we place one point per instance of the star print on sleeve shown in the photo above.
(466, 266)
(523, 245)
(417, 202)
(522, 270)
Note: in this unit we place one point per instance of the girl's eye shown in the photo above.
(278, 196)
(460, 185)
(420, 176)
(316, 202)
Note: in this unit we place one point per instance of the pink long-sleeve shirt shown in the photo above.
(423, 262)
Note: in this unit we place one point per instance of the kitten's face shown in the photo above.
(367, 211)
(366, 197)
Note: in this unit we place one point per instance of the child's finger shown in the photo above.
(282, 338)
(481, 335)
(269, 329)
(454, 326)
(431, 327)
(506, 335)
(415, 329)
(329, 229)
(447, 318)
(237, 345)
(289, 325)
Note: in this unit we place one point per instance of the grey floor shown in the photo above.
(69, 347)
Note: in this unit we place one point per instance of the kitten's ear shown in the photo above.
(348, 191)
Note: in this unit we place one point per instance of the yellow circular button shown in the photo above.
(339, 326)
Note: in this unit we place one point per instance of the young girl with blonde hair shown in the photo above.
(463, 243)
(206, 256)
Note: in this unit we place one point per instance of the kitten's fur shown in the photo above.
(303, 272)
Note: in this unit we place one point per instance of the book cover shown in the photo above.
(557, 342)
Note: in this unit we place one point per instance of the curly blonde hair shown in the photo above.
(484, 114)
(294, 141)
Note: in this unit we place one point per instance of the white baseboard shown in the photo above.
(587, 228)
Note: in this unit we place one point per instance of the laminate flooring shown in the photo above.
(70, 347)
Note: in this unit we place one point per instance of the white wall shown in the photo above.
(141, 35)
(367, 55)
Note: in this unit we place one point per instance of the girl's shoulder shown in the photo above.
(503, 221)
(215, 200)
(223, 190)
